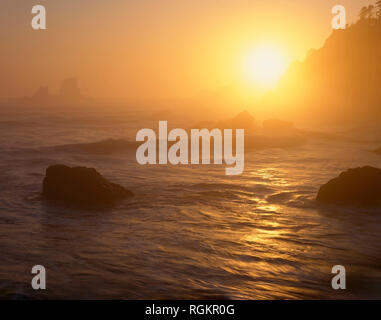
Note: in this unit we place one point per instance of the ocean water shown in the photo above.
(190, 231)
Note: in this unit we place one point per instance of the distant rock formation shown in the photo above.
(42, 94)
(81, 186)
(243, 120)
(69, 95)
(359, 187)
(40, 97)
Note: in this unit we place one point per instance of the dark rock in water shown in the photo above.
(357, 187)
(81, 186)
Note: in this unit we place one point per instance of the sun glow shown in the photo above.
(263, 66)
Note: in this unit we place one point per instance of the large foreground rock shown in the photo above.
(81, 186)
(358, 187)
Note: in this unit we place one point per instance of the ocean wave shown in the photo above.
(108, 146)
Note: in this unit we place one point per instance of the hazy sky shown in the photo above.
(152, 48)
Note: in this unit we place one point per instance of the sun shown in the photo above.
(264, 65)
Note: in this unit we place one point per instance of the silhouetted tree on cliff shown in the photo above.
(363, 13)
(370, 14)
(378, 6)
(370, 11)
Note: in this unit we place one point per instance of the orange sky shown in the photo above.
(153, 49)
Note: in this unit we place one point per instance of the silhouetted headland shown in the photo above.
(338, 83)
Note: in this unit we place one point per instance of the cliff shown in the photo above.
(339, 83)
